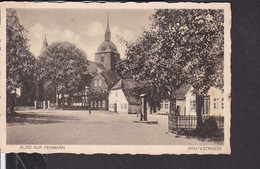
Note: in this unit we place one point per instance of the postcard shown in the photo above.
(135, 78)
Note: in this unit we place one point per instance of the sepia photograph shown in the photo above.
(137, 76)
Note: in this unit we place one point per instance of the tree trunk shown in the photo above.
(69, 100)
(199, 106)
(154, 109)
(10, 102)
(62, 99)
(172, 117)
(151, 108)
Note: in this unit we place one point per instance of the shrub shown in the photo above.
(209, 128)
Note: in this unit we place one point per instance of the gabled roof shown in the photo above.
(182, 91)
(92, 67)
(111, 78)
(118, 85)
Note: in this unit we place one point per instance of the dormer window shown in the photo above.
(103, 48)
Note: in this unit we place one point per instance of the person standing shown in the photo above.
(89, 110)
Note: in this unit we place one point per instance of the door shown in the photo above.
(115, 107)
(178, 110)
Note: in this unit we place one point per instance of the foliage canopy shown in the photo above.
(61, 66)
(20, 62)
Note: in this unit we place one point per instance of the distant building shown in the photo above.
(99, 78)
(186, 102)
(100, 86)
(107, 53)
(122, 98)
(44, 45)
(214, 103)
(105, 77)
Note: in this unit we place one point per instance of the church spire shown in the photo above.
(44, 45)
(107, 33)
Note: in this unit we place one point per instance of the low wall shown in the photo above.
(19, 108)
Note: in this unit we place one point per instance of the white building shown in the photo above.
(215, 102)
(186, 102)
(122, 98)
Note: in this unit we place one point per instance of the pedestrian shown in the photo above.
(89, 110)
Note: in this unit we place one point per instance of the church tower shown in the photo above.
(44, 45)
(107, 53)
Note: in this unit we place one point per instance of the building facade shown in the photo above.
(122, 98)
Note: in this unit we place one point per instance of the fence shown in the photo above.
(190, 122)
(42, 105)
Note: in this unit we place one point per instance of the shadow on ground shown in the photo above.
(17, 118)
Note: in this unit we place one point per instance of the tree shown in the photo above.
(20, 62)
(184, 46)
(60, 69)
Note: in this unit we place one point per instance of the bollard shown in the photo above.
(35, 105)
(43, 103)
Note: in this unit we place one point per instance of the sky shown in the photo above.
(84, 27)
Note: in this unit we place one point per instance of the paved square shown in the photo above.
(77, 127)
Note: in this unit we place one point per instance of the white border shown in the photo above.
(123, 149)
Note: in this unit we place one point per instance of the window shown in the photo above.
(99, 103)
(216, 103)
(103, 103)
(91, 103)
(95, 83)
(166, 105)
(222, 103)
(125, 106)
(192, 105)
(95, 103)
(102, 59)
(122, 106)
(116, 94)
(161, 105)
(206, 105)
